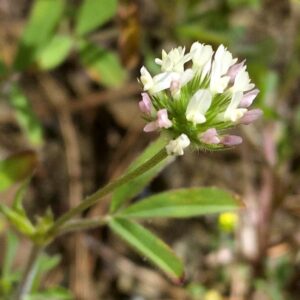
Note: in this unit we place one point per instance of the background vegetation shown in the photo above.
(68, 104)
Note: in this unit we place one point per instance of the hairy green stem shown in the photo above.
(96, 197)
(27, 278)
(82, 224)
(64, 224)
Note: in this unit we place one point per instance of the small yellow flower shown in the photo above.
(228, 221)
(213, 295)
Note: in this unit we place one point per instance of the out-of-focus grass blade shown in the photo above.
(19, 196)
(55, 52)
(102, 65)
(45, 264)
(56, 293)
(198, 32)
(234, 4)
(149, 246)
(135, 186)
(44, 17)
(183, 203)
(94, 13)
(12, 243)
(26, 117)
(3, 69)
(16, 168)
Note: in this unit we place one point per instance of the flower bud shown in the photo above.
(145, 104)
(210, 136)
(250, 116)
(231, 140)
(162, 119)
(234, 70)
(248, 98)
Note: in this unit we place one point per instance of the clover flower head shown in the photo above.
(197, 97)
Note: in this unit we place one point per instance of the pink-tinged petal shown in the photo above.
(152, 126)
(175, 86)
(145, 104)
(233, 70)
(248, 98)
(210, 136)
(162, 119)
(250, 116)
(231, 140)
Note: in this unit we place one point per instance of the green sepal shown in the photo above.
(17, 220)
(43, 224)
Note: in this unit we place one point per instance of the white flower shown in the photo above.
(233, 113)
(163, 81)
(242, 81)
(176, 147)
(198, 106)
(146, 79)
(223, 60)
(174, 60)
(197, 96)
(201, 56)
(218, 84)
(179, 80)
(157, 83)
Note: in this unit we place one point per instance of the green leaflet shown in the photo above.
(16, 168)
(102, 65)
(183, 203)
(93, 14)
(26, 116)
(55, 52)
(44, 17)
(149, 246)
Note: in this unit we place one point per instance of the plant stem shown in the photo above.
(94, 198)
(82, 224)
(29, 272)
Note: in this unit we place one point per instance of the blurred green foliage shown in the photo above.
(86, 20)
(46, 43)
(10, 276)
(55, 30)
(26, 117)
(16, 168)
(44, 18)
